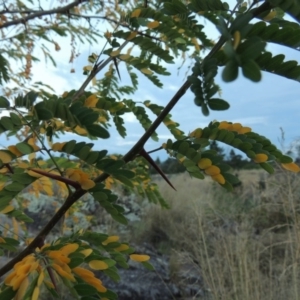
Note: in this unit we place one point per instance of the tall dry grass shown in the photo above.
(241, 245)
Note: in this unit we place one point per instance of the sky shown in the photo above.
(267, 107)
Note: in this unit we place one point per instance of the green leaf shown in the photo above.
(148, 266)
(69, 146)
(97, 131)
(231, 178)
(7, 123)
(231, 71)
(120, 218)
(204, 109)
(24, 148)
(8, 293)
(84, 289)
(267, 167)
(124, 180)
(14, 187)
(44, 114)
(218, 104)
(4, 103)
(251, 70)
(284, 159)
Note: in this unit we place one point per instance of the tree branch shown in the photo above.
(130, 155)
(58, 10)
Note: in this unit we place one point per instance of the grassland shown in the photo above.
(241, 245)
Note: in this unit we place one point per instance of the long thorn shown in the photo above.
(155, 166)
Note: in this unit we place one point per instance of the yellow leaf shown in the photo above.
(98, 265)
(271, 15)
(111, 239)
(2, 240)
(291, 167)
(63, 273)
(96, 283)
(22, 289)
(153, 24)
(236, 39)
(57, 146)
(260, 158)
(124, 56)
(139, 257)
(115, 53)
(146, 71)
(7, 209)
(34, 174)
(83, 273)
(86, 252)
(68, 249)
(80, 130)
(48, 190)
(196, 133)
(122, 247)
(91, 101)
(87, 184)
(136, 13)
(88, 68)
(212, 170)
(41, 278)
(244, 130)
(5, 157)
(224, 125)
(218, 178)
(204, 163)
(196, 44)
(132, 35)
(235, 127)
(35, 294)
(15, 151)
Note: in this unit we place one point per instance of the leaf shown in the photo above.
(251, 70)
(120, 218)
(24, 148)
(84, 289)
(97, 131)
(98, 265)
(139, 257)
(153, 24)
(44, 114)
(8, 293)
(218, 104)
(5, 157)
(231, 71)
(267, 167)
(204, 109)
(4, 103)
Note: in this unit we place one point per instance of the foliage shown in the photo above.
(145, 37)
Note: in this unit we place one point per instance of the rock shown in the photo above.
(138, 283)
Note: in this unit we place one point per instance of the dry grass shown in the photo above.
(241, 245)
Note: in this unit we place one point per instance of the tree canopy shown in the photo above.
(144, 37)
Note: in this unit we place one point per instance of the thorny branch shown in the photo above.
(129, 156)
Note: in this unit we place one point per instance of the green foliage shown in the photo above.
(146, 38)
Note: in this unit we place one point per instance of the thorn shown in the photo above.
(65, 180)
(155, 166)
(117, 68)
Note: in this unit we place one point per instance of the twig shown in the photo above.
(58, 10)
